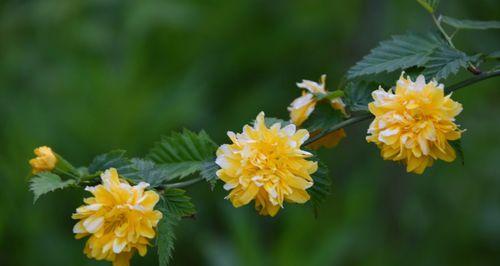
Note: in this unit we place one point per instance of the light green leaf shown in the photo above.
(270, 121)
(166, 237)
(471, 24)
(150, 172)
(398, 53)
(183, 154)
(113, 159)
(322, 185)
(429, 5)
(46, 182)
(445, 61)
(178, 203)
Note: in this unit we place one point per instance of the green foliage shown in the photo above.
(457, 145)
(400, 52)
(166, 237)
(113, 159)
(445, 61)
(208, 172)
(46, 182)
(359, 94)
(183, 154)
(178, 203)
(149, 172)
(270, 121)
(470, 24)
(323, 117)
(322, 185)
(429, 5)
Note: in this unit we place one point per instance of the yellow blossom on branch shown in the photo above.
(266, 165)
(414, 123)
(119, 219)
(45, 160)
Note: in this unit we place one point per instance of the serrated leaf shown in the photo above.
(429, 5)
(457, 146)
(209, 172)
(178, 203)
(183, 154)
(445, 61)
(398, 53)
(322, 185)
(470, 24)
(150, 172)
(166, 237)
(46, 182)
(359, 95)
(113, 159)
(322, 118)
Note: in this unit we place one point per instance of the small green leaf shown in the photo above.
(494, 55)
(150, 172)
(359, 95)
(113, 159)
(178, 203)
(457, 146)
(429, 5)
(446, 61)
(398, 53)
(322, 185)
(270, 121)
(183, 154)
(471, 24)
(166, 237)
(46, 182)
(323, 117)
(209, 172)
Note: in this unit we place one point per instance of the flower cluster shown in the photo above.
(266, 165)
(414, 123)
(119, 219)
(45, 160)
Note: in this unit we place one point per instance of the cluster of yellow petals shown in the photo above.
(414, 123)
(119, 219)
(266, 165)
(45, 160)
(301, 108)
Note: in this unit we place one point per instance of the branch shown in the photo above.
(357, 119)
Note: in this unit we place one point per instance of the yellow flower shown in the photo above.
(120, 219)
(266, 165)
(45, 160)
(414, 123)
(302, 107)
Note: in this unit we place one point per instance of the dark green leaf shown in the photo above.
(209, 172)
(46, 182)
(445, 61)
(471, 24)
(166, 237)
(150, 172)
(323, 117)
(429, 5)
(178, 203)
(322, 185)
(359, 95)
(457, 145)
(183, 154)
(113, 159)
(398, 53)
(270, 121)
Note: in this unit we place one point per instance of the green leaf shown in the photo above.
(445, 61)
(429, 5)
(457, 145)
(178, 203)
(209, 172)
(494, 55)
(471, 24)
(322, 185)
(183, 154)
(270, 121)
(150, 172)
(113, 159)
(166, 237)
(359, 95)
(46, 182)
(398, 53)
(323, 117)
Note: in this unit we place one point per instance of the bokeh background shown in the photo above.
(85, 77)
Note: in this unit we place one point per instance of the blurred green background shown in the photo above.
(85, 77)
